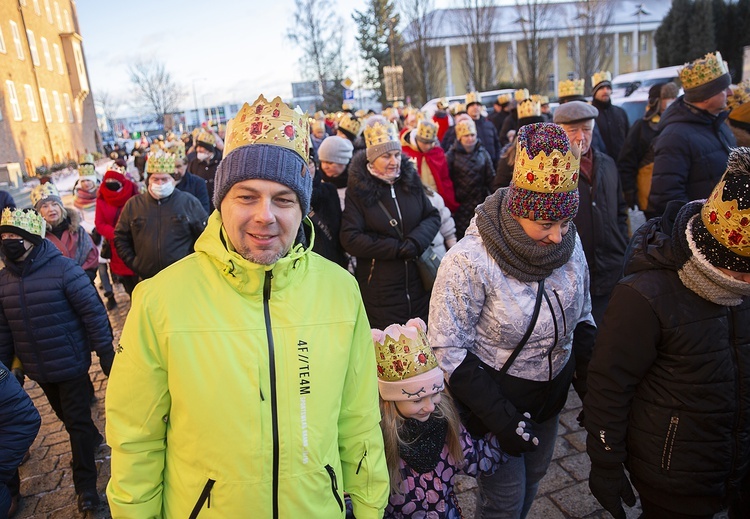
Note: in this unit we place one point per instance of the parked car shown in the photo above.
(630, 91)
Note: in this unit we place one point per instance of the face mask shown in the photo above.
(161, 190)
(13, 248)
(203, 157)
(113, 185)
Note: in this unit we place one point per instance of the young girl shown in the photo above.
(425, 443)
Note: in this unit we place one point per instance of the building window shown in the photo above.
(550, 51)
(45, 105)
(644, 42)
(68, 24)
(36, 8)
(2, 42)
(59, 18)
(58, 59)
(68, 108)
(551, 83)
(13, 98)
(58, 106)
(17, 39)
(32, 47)
(48, 11)
(626, 44)
(31, 102)
(47, 56)
(570, 49)
(77, 106)
(78, 55)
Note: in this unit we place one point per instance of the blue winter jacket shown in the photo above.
(196, 186)
(51, 317)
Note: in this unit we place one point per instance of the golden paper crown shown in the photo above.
(319, 115)
(472, 97)
(391, 114)
(272, 123)
(521, 94)
(26, 219)
(542, 100)
(42, 192)
(457, 108)
(398, 104)
(160, 163)
(427, 131)
(351, 124)
(116, 168)
(703, 70)
(360, 113)
(553, 173)
(380, 134)
(529, 108)
(346, 106)
(503, 99)
(442, 103)
(464, 128)
(87, 159)
(176, 148)
(602, 75)
(726, 222)
(740, 95)
(403, 352)
(86, 170)
(207, 137)
(570, 87)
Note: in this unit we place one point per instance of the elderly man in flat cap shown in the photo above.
(602, 215)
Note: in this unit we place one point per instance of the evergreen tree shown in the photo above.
(673, 35)
(701, 31)
(376, 31)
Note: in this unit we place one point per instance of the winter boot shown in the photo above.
(111, 301)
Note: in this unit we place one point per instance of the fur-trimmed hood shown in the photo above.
(365, 186)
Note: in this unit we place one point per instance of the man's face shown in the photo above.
(603, 94)
(580, 134)
(261, 218)
(474, 111)
(159, 178)
(179, 171)
(51, 212)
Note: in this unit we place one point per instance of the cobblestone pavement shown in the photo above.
(47, 484)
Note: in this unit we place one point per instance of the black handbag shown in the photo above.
(427, 263)
(106, 252)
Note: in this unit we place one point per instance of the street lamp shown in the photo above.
(639, 10)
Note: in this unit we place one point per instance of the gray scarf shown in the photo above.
(512, 249)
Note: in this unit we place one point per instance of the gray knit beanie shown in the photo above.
(380, 137)
(336, 149)
(265, 162)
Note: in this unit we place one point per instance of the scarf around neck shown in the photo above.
(423, 442)
(512, 249)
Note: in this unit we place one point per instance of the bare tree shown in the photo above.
(319, 34)
(534, 60)
(424, 71)
(110, 105)
(476, 25)
(591, 23)
(155, 90)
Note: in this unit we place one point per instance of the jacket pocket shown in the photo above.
(205, 497)
(666, 455)
(335, 486)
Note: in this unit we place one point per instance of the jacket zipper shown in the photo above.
(203, 498)
(406, 262)
(554, 344)
(272, 375)
(666, 455)
(738, 378)
(335, 486)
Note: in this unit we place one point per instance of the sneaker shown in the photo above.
(88, 500)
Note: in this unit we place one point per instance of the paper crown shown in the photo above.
(703, 70)
(159, 163)
(360, 113)
(380, 134)
(398, 104)
(177, 149)
(542, 100)
(529, 108)
(540, 165)
(88, 158)
(350, 123)
(739, 102)
(598, 77)
(427, 131)
(464, 128)
(457, 108)
(442, 103)
(272, 123)
(391, 114)
(26, 219)
(346, 106)
(42, 192)
(570, 87)
(503, 99)
(117, 168)
(726, 212)
(319, 115)
(473, 97)
(86, 171)
(407, 368)
(317, 124)
(521, 94)
(207, 137)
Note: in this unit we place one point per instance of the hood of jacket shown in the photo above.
(366, 187)
(682, 112)
(652, 247)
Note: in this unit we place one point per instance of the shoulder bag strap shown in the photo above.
(525, 338)
(391, 220)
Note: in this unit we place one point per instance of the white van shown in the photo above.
(630, 91)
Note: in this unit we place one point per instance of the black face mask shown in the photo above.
(13, 248)
(113, 185)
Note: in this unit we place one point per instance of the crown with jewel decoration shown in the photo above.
(473, 97)
(207, 137)
(542, 100)
(739, 102)
(380, 134)
(176, 148)
(45, 191)
(160, 163)
(350, 124)
(87, 159)
(602, 75)
(269, 122)
(426, 131)
(570, 87)
(442, 103)
(703, 70)
(26, 219)
(521, 94)
(86, 171)
(529, 108)
(549, 170)
(457, 108)
(721, 213)
(503, 99)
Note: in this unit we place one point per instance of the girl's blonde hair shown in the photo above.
(392, 422)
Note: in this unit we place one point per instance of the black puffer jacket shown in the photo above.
(613, 126)
(472, 175)
(669, 382)
(51, 317)
(388, 278)
(152, 234)
(690, 155)
(486, 133)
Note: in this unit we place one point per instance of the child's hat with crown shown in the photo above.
(407, 368)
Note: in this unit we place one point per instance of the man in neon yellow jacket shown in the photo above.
(245, 382)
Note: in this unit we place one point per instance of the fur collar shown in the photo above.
(366, 187)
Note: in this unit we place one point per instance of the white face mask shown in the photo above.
(203, 157)
(160, 191)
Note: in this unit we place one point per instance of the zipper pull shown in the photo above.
(360, 462)
(393, 192)
(332, 473)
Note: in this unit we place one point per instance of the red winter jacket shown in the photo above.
(109, 205)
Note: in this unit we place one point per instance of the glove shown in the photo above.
(518, 436)
(19, 374)
(106, 363)
(408, 249)
(610, 487)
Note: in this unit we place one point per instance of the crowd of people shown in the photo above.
(291, 350)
